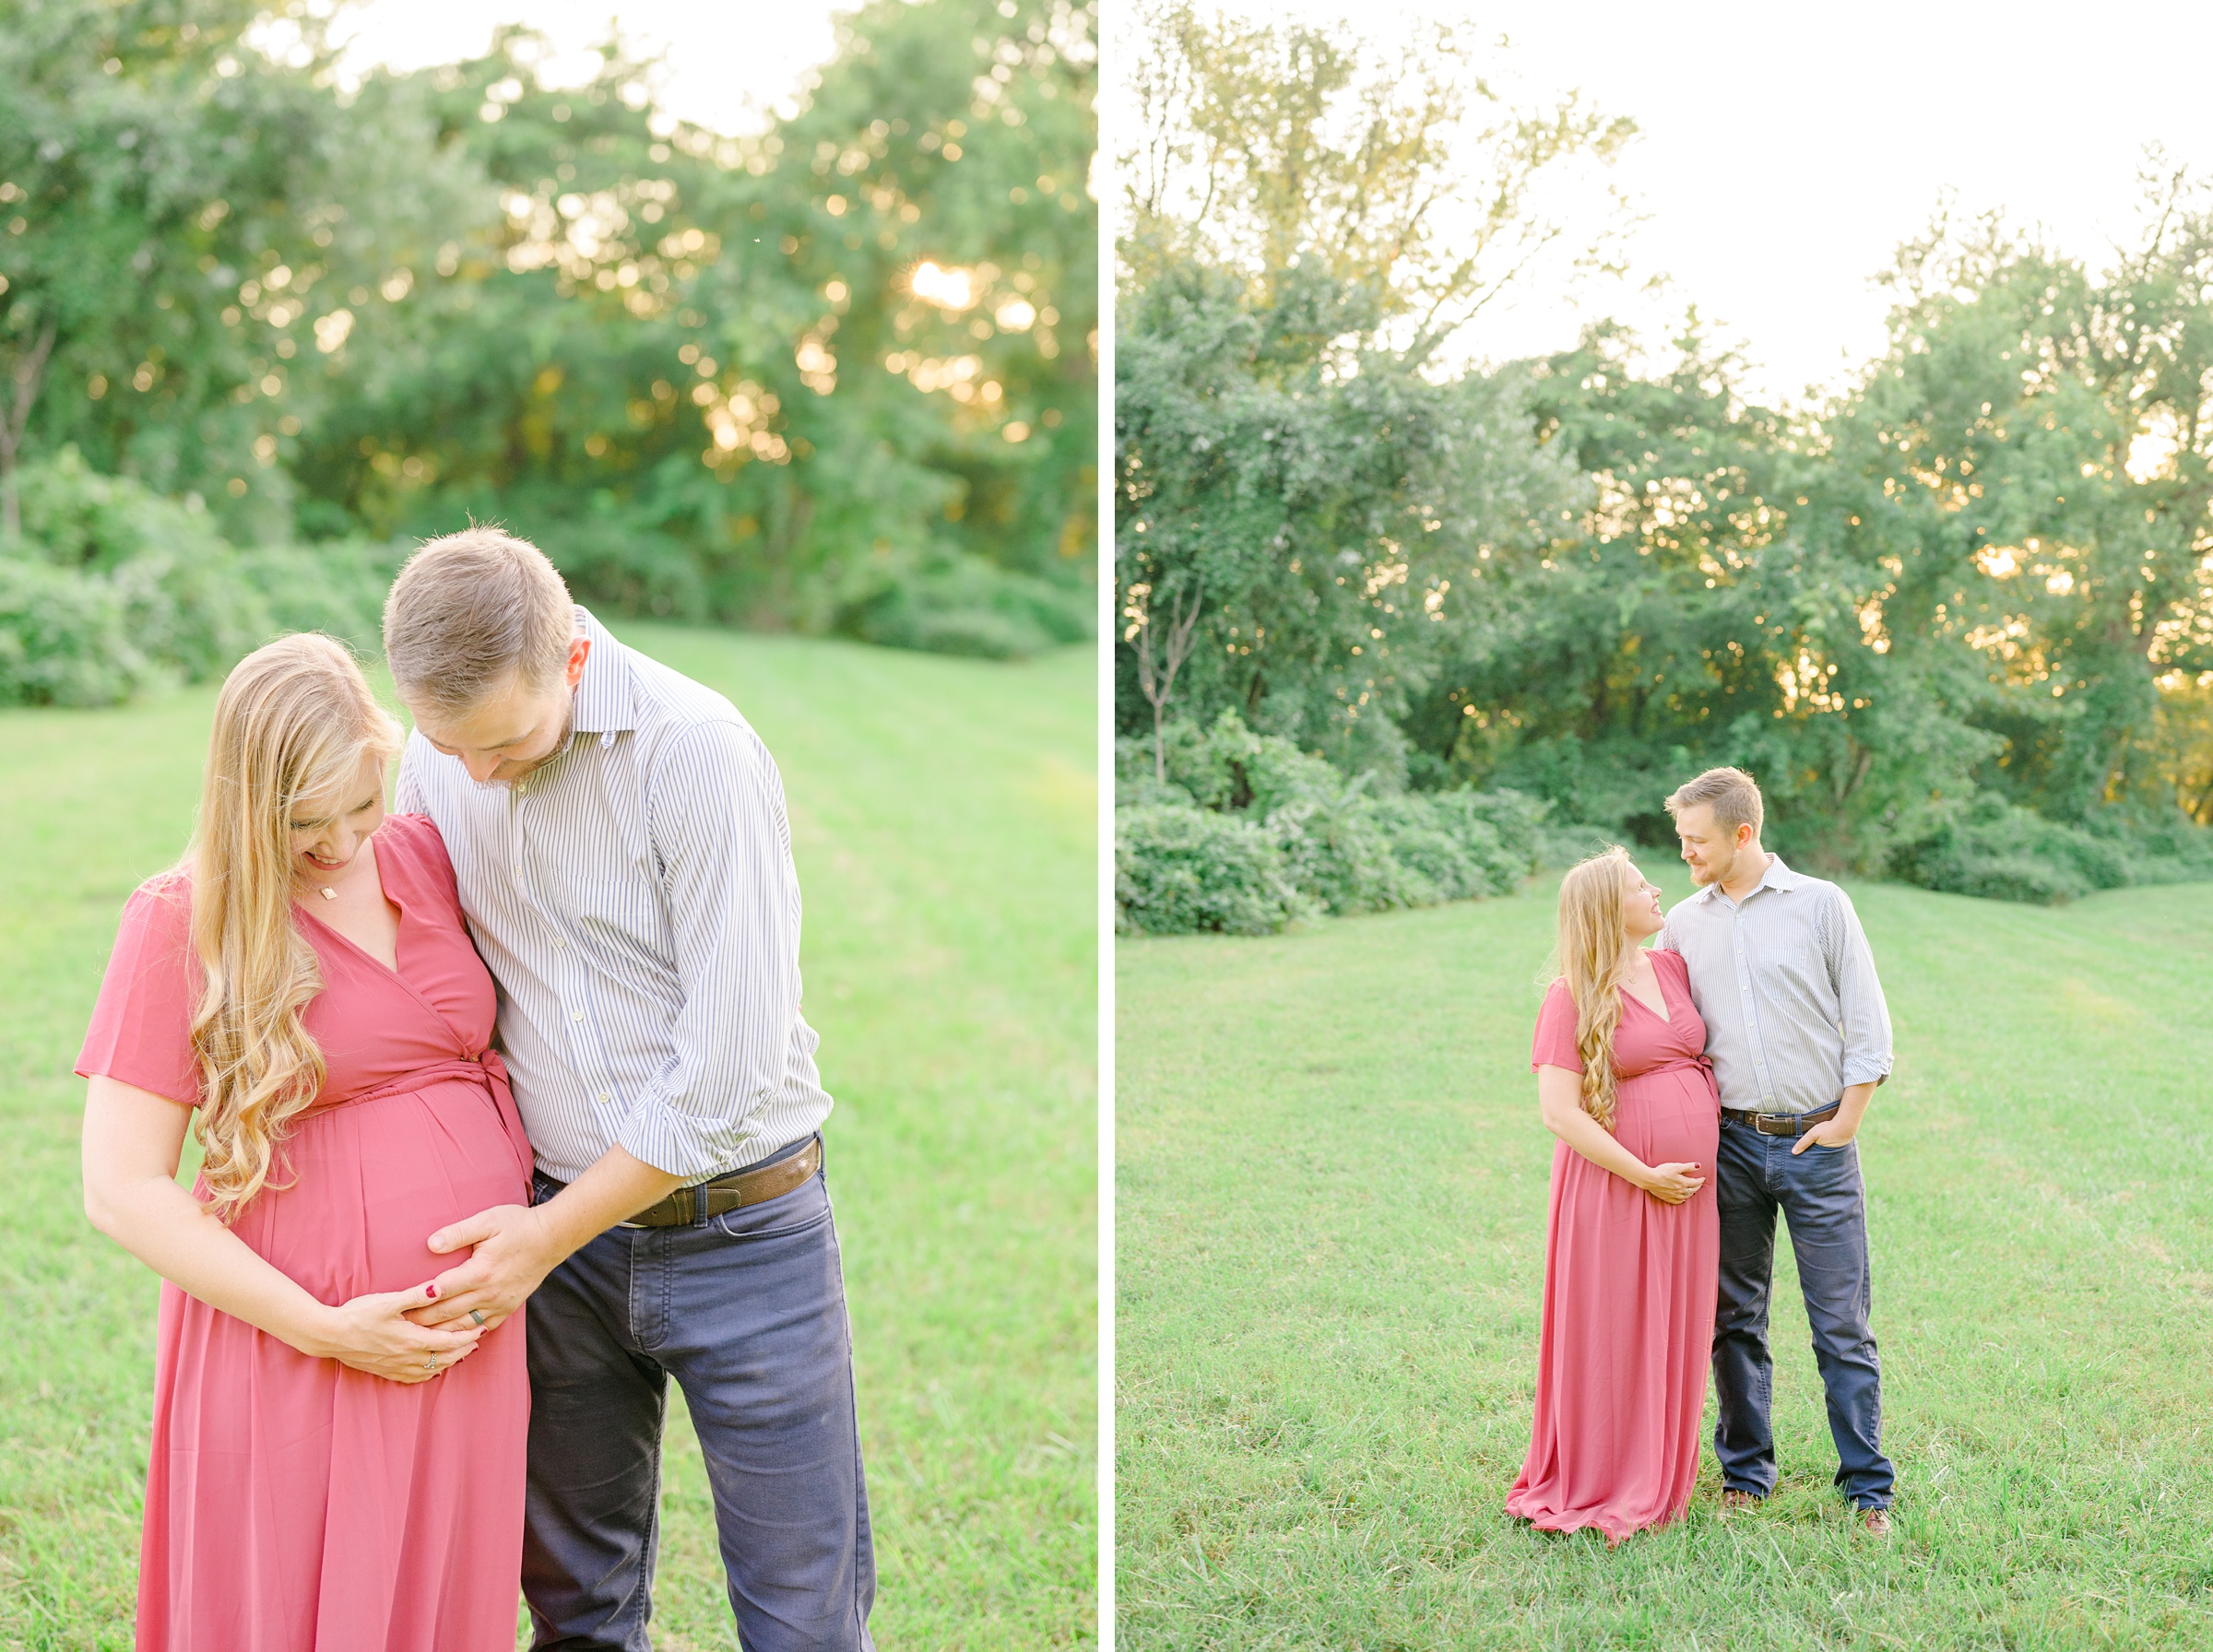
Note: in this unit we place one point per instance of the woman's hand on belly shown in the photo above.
(1668, 1182)
(373, 1334)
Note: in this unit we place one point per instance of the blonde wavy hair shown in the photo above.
(1594, 957)
(295, 721)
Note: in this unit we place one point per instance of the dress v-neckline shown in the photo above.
(389, 971)
(383, 892)
(354, 946)
(1667, 1020)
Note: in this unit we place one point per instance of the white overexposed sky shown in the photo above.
(730, 62)
(1787, 150)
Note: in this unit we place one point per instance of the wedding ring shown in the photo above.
(429, 1364)
(476, 1314)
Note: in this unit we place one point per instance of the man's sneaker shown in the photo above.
(1877, 1521)
(1735, 1502)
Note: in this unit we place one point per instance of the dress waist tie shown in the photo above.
(485, 1068)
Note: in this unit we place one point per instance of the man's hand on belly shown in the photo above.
(517, 1245)
(511, 1249)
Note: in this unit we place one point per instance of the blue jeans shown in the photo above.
(1820, 1194)
(747, 1310)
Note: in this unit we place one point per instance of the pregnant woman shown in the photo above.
(1632, 1253)
(324, 1473)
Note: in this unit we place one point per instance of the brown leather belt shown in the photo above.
(687, 1206)
(1779, 1124)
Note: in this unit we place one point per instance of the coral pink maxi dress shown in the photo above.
(294, 1504)
(1629, 1282)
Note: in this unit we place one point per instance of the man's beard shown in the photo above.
(568, 728)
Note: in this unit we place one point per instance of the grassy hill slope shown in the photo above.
(1330, 1223)
(943, 818)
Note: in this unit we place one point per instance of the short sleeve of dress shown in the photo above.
(425, 864)
(141, 1031)
(1556, 1032)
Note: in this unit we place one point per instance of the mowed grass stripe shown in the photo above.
(1330, 1212)
(942, 815)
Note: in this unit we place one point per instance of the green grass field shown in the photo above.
(943, 814)
(1330, 1229)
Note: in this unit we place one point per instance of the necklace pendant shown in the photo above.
(327, 892)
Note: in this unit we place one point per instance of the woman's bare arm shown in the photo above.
(132, 1144)
(1559, 1101)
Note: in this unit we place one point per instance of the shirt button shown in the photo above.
(560, 940)
(604, 1097)
(577, 1017)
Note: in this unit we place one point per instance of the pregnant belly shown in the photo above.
(1669, 1119)
(368, 1183)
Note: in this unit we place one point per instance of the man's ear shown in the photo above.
(579, 648)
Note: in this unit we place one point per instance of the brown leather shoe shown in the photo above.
(1877, 1521)
(1735, 1502)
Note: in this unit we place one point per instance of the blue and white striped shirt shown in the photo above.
(636, 902)
(1785, 983)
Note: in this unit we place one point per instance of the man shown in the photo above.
(618, 836)
(1800, 1037)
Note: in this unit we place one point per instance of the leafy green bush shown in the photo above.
(1177, 869)
(1337, 847)
(113, 589)
(965, 605)
(338, 586)
(2003, 852)
(65, 638)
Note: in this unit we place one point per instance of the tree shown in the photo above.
(2033, 461)
(1394, 166)
(1157, 679)
(839, 374)
(181, 210)
(755, 380)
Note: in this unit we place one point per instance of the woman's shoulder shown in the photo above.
(416, 837)
(161, 906)
(1666, 958)
(411, 850)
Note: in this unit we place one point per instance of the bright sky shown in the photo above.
(728, 63)
(1788, 149)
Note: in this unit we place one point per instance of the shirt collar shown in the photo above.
(1777, 876)
(604, 701)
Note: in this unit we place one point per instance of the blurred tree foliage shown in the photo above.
(1959, 620)
(841, 373)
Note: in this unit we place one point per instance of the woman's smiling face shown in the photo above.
(328, 832)
(1641, 913)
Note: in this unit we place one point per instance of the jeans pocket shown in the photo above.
(805, 1206)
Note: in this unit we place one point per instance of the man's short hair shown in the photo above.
(1732, 793)
(471, 611)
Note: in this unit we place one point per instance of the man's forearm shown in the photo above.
(616, 1186)
(1851, 1106)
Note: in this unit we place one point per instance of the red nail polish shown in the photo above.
(430, 1290)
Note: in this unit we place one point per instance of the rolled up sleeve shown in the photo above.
(717, 820)
(1862, 1016)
